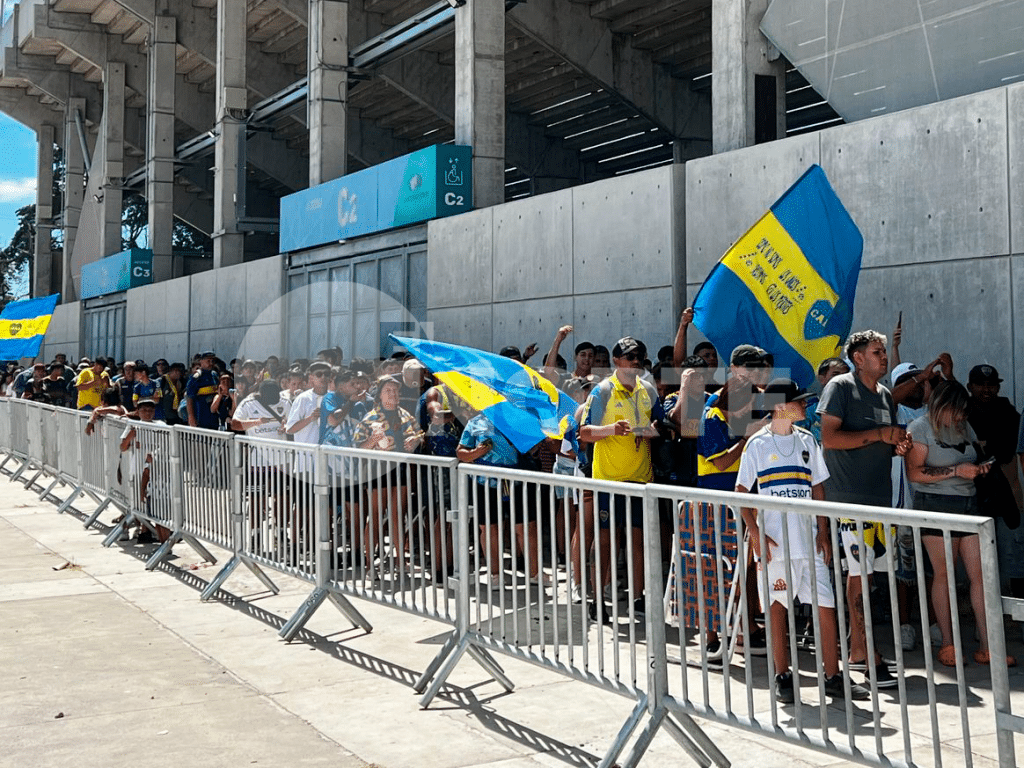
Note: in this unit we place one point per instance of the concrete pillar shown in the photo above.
(74, 191)
(42, 269)
(112, 135)
(160, 144)
(748, 90)
(328, 90)
(232, 101)
(480, 95)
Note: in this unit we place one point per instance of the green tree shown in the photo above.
(16, 258)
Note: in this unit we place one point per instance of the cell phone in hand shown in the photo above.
(987, 462)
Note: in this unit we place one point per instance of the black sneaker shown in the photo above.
(605, 611)
(758, 643)
(639, 609)
(715, 654)
(784, 688)
(835, 689)
(883, 677)
(862, 666)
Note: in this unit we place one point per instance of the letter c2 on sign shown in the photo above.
(451, 198)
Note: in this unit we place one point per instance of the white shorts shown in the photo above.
(858, 552)
(799, 573)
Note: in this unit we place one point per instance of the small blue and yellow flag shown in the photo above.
(522, 404)
(788, 285)
(23, 325)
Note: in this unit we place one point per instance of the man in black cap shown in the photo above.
(199, 394)
(997, 423)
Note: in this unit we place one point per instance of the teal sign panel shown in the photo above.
(128, 269)
(428, 184)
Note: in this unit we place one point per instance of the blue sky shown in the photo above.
(17, 173)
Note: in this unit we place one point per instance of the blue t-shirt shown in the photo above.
(201, 388)
(150, 389)
(502, 453)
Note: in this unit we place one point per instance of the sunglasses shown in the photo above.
(320, 374)
(632, 357)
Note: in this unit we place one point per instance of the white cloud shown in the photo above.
(17, 190)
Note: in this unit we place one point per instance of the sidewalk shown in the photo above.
(104, 662)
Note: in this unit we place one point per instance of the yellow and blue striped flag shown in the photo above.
(788, 285)
(23, 325)
(522, 404)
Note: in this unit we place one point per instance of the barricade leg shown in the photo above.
(95, 515)
(46, 491)
(428, 674)
(16, 477)
(30, 483)
(442, 674)
(118, 529)
(66, 504)
(305, 612)
(491, 666)
(260, 574)
(295, 624)
(220, 578)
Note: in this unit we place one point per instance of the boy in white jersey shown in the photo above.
(786, 461)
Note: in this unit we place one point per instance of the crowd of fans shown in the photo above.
(917, 438)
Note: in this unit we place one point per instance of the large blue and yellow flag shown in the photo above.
(23, 325)
(522, 404)
(788, 285)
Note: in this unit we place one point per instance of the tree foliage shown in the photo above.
(16, 258)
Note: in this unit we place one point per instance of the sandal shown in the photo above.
(947, 656)
(983, 657)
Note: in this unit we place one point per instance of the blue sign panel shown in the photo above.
(428, 184)
(128, 269)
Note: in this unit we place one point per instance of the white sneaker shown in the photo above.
(575, 594)
(936, 635)
(908, 637)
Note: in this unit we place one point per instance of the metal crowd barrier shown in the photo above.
(568, 574)
(874, 734)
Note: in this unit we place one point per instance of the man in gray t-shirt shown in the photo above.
(859, 433)
(860, 474)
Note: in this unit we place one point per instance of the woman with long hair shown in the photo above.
(388, 427)
(942, 466)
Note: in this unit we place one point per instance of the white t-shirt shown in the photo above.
(787, 466)
(302, 406)
(250, 409)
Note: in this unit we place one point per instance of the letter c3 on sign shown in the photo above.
(140, 271)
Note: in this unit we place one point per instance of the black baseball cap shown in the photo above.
(748, 356)
(583, 346)
(786, 389)
(146, 401)
(208, 353)
(695, 361)
(983, 374)
(628, 344)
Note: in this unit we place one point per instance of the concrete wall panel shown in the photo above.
(604, 318)
(64, 333)
(938, 312)
(623, 232)
(533, 247)
(526, 322)
(1015, 121)
(470, 326)
(264, 284)
(1013, 379)
(229, 298)
(726, 194)
(203, 310)
(926, 184)
(460, 266)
